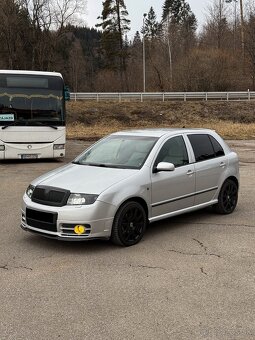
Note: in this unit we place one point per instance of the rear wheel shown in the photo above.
(228, 197)
(129, 224)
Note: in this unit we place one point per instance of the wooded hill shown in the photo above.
(44, 35)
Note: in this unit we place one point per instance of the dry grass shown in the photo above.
(91, 120)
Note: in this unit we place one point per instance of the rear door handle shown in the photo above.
(222, 164)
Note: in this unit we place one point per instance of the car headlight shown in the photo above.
(30, 190)
(81, 199)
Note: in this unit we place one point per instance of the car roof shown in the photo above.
(35, 73)
(160, 132)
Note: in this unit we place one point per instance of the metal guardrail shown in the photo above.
(163, 96)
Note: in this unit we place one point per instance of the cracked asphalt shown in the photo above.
(191, 277)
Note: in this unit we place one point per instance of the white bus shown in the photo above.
(32, 115)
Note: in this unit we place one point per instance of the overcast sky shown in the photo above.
(136, 8)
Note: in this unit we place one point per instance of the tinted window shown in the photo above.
(173, 151)
(217, 147)
(202, 147)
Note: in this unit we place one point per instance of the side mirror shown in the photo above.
(164, 166)
(67, 93)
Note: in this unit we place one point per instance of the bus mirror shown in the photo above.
(67, 93)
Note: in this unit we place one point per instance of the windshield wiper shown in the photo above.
(101, 165)
(12, 124)
(45, 124)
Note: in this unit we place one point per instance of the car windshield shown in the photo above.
(31, 100)
(118, 151)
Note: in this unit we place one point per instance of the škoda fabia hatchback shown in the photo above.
(131, 178)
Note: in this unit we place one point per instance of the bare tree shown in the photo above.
(242, 22)
(66, 12)
(217, 23)
(54, 14)
(49, 19)
(76, 68)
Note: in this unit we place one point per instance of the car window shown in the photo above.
(202, 147)
(129, 152)
(173, 151)
(218, 150)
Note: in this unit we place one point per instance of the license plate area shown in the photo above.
(29, 156)
(41, 219)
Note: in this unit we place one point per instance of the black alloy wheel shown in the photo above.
(129, 224)
(228, 197)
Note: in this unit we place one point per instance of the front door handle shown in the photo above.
(190, 172)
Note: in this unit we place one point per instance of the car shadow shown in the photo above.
(101, 246)
(75, 247)
(178, 222)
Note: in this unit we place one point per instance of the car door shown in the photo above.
(210, 165)
(172, 190)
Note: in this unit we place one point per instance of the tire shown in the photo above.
(227, 199)
(129, 224)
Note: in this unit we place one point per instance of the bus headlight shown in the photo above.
(81, 199)
(2, 147)
(58, 146)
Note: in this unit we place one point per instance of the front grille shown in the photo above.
(41, 219)
(50, 196)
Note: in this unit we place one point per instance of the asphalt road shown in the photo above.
(191, 277)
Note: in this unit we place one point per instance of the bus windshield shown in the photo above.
(31, 100)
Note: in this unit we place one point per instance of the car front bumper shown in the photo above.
(60, 222)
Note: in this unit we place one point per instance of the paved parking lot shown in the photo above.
(191, 277)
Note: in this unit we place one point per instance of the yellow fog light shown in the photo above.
(79, 229)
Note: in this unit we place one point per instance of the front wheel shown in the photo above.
(228, 197)
(129, 224)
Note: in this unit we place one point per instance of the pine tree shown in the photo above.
(179, 12)
(179, 19)
(179, 26)
(137, 39)
(151, 28)
(115, 25)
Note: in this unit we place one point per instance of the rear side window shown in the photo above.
(202, 147)
(218, 150)
(205, 147)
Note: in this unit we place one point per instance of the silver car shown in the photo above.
(131, 178)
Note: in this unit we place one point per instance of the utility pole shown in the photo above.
(242, 26)
(144, 66)
(169, 53)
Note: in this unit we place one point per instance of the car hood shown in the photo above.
(84, 179)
